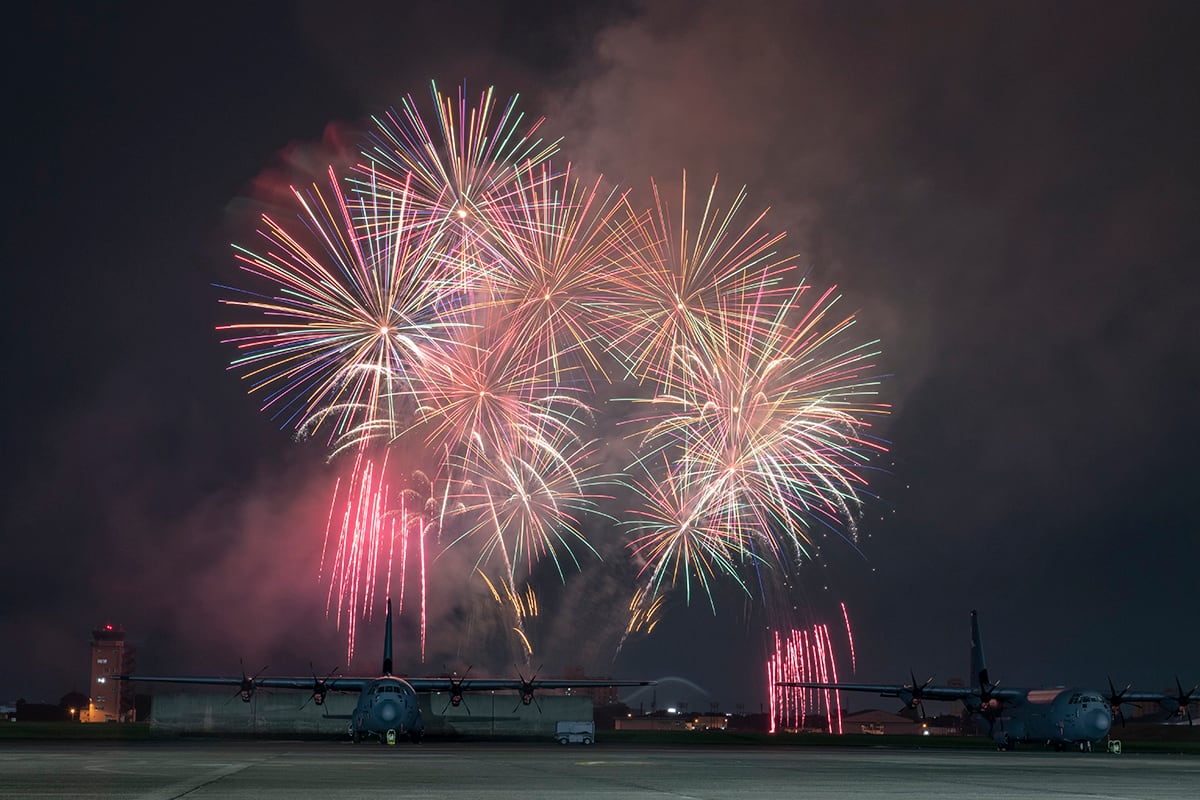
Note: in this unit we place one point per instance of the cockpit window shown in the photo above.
(384, 688)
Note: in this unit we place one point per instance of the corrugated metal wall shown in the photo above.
(286, 712)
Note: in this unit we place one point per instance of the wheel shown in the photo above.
(587, 740)
(562, 740)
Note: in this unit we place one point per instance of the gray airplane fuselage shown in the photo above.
(388, 704)
(1056, 716)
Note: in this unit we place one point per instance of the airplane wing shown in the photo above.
(333, 684)
(1178, 703)
(912, 693)
(905, 692)
(515, 684)
(358, 684)
(456, 686)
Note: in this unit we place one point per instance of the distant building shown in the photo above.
(657, 722)
(880, 722)
(710, 722)
(110, 699)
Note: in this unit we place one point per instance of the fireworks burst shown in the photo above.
(465, 171)
(676, 537)
(527, 503)
(455, 295)
(761, 434)
(352, 306)
(554, 245)
(682, 280)
(482, 395)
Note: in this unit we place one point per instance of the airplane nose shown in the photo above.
(1097, 722)
(387, 712)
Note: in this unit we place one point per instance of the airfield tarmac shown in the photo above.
(255, 770)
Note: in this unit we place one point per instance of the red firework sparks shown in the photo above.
(803, 655)
(360, 529)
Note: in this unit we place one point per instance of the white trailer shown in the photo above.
(582, 731)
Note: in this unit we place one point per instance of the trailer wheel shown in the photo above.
(562, 740)
(587, 740)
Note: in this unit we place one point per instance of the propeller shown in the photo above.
(912, 694)
(248, 685)
(1184, 699)
(320, 686)
(989, 705)
(1115, 699)
(527, 691)
(456, 693)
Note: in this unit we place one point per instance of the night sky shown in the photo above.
(1007, 195)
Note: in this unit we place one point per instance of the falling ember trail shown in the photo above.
(803, 655)
(850, 639)
(361, 537)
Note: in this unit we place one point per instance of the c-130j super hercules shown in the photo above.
(387, 704)
(1061, 717)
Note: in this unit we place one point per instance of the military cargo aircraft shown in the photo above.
(1061, 717)
(387, 704)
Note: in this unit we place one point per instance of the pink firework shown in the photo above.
(803, 655)
(361, 538)
(359, 530)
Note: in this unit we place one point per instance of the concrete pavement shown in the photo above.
(258, 770)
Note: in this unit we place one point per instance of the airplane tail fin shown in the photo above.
(387, 641)
(979, 673)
